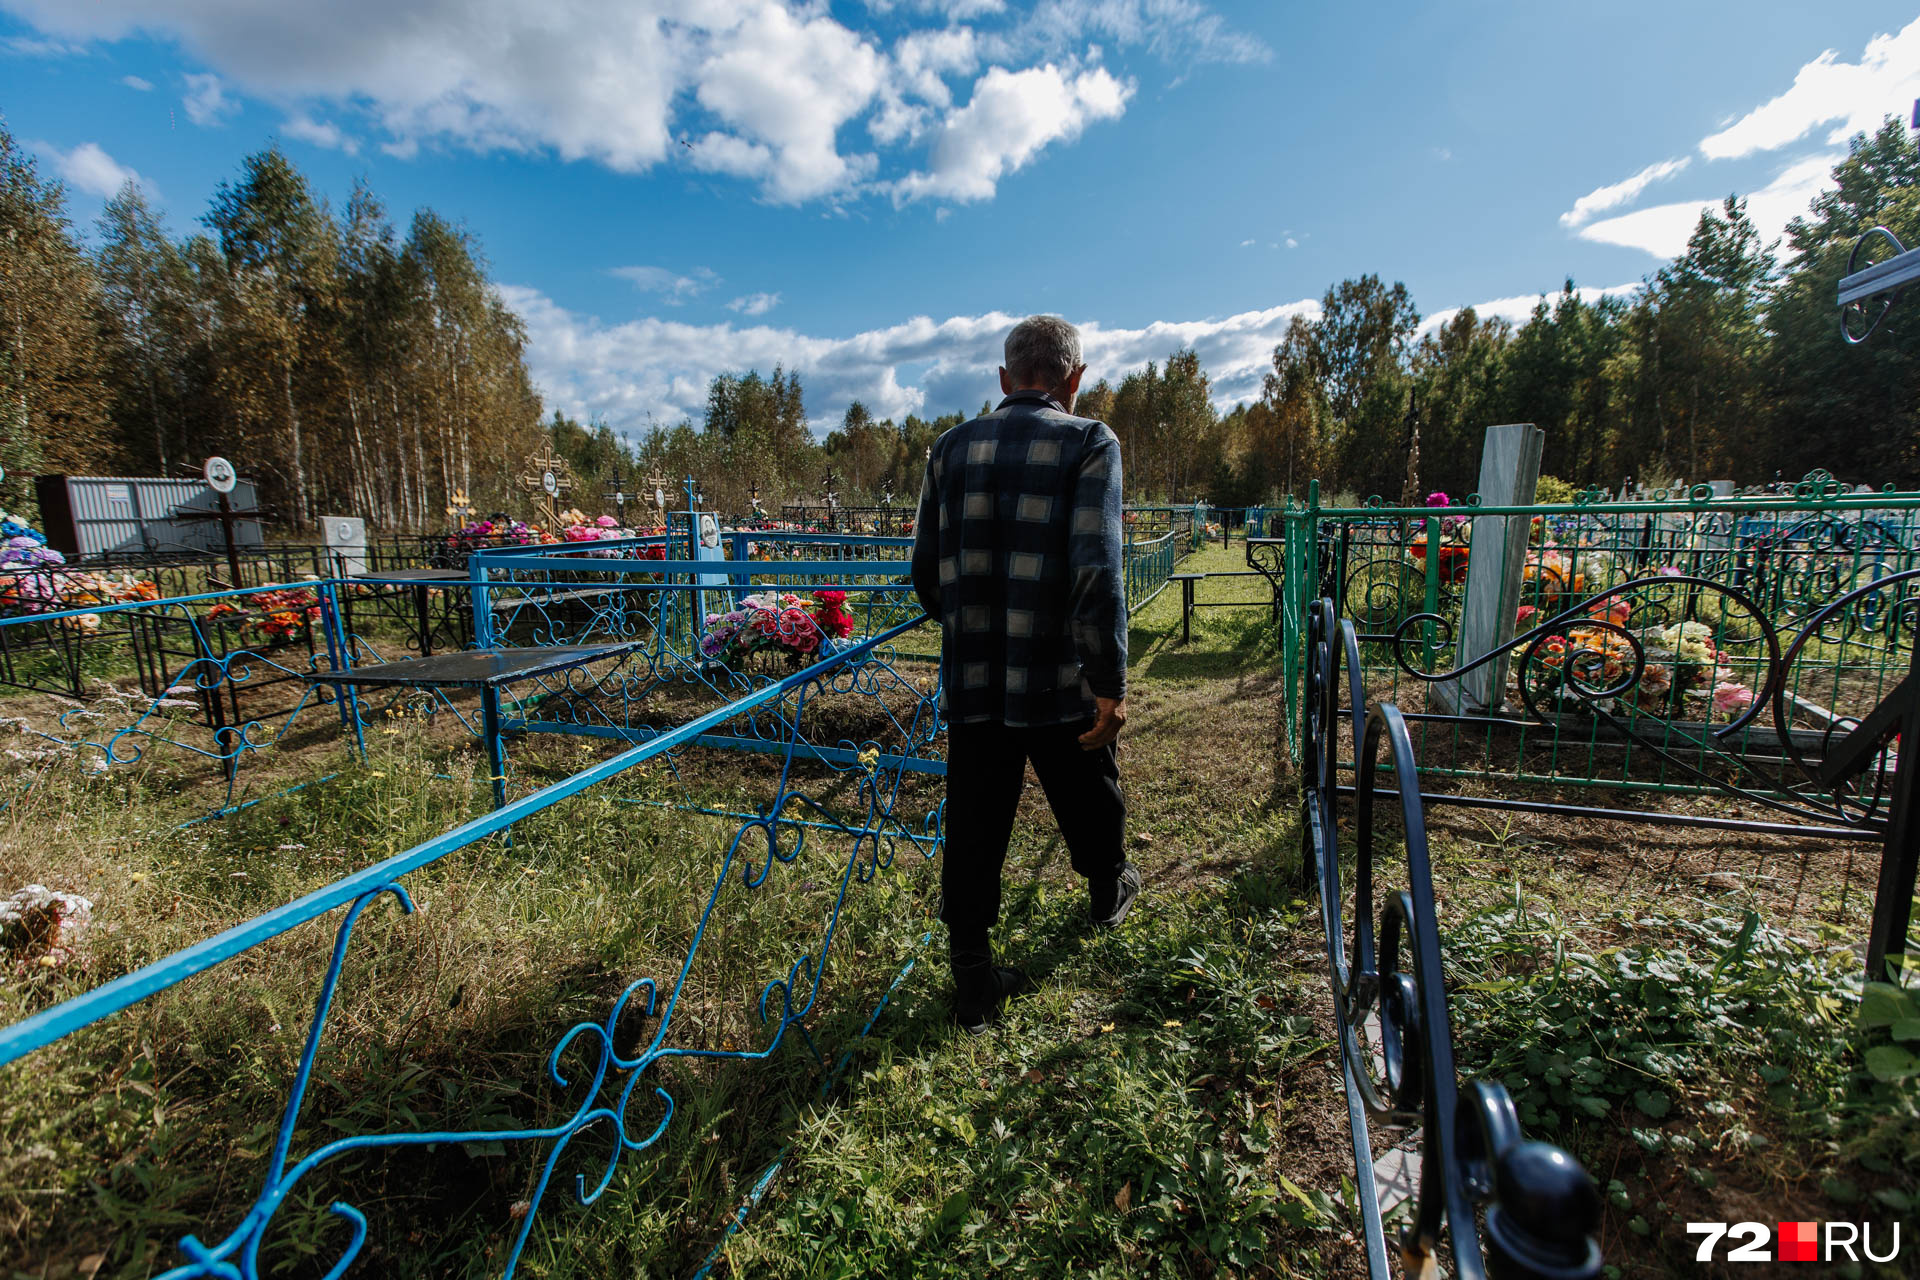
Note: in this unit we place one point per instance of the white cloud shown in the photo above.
(90, 169)
(755, 304)
(660, 368)
(1663, 229)
(1519, 307)
(1626, 191)
(766, 87)
(139, 84)
(1850, 96)
(29, 47)
(673, 287)
(952, 10)
(1181, 32)
(1292, 243)
(1010, 118)
(321, 133)
(1245, 243)
(916, 81)
(787, 85)
(207, 102)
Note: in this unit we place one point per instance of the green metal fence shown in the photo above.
(1150, 564)
(1658, 646)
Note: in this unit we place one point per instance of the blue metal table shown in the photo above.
(483, 669)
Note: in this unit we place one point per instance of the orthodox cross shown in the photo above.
(459, 509)
(753, 496)
(221, 479)
(658, 483)
(617, 494)
(828, 484)
(694, 496)
(547, 473)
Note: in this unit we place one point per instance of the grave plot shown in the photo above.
(1711, 655)
(1736, 674)
(714, 891)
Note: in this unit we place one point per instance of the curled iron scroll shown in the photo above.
(1861, 316)
(1541, 1208)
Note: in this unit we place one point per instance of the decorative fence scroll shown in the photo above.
(1396, 1042)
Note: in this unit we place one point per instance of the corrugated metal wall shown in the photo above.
(134, 515)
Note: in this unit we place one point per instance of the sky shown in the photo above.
(871, 192)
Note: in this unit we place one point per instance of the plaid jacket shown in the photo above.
(1018, 550)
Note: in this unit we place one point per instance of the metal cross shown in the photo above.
(458, 506)
(547, 473)
(617, 495)
(828, 484)
(658, 484)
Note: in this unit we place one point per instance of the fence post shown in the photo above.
(1430, 597)
(1900, 857)
(1496, 557)
(1299, 578)
(742, 582)
(345, 695)
(479, 600)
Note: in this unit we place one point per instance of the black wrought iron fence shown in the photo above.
(1493, 1202)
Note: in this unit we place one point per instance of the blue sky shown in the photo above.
(869, 192)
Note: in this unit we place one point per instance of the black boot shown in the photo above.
(979, 989)
(1109, 902)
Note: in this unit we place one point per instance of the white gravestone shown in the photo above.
(347, 541)
(1496, 558)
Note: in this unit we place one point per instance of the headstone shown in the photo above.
(707, 544)
(346, 538)
(1496, 557)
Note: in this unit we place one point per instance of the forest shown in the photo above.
(353, 368)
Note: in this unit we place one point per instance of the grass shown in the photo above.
(1164, 1104)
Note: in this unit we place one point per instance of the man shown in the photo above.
(1018, 550)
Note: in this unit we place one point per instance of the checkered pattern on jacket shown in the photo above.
(1018, 550)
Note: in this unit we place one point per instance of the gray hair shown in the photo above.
(1042, 350)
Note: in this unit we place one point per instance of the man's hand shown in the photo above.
(1107, 724)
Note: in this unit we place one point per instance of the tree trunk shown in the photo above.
(299, 463)
(159, 428)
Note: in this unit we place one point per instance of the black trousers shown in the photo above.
(986, 771)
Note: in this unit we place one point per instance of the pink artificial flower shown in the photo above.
(1438, 500)
(1730, 698)
(607, 522)
(1524, 618)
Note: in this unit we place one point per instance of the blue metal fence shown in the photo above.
(880, 814)
(221, 678)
